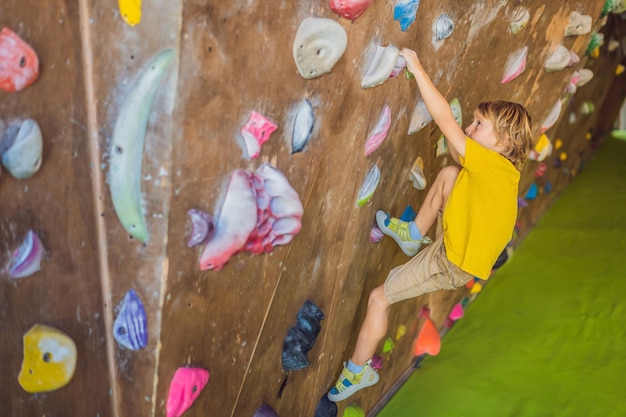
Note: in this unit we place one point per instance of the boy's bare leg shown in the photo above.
(436, 198)
(374, 326)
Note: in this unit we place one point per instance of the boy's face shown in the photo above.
(481, 130)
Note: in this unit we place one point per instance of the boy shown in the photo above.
(479, 205)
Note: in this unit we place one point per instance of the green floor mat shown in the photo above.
(547, 336)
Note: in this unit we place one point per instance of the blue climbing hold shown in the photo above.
(532, 192)
(405, 12)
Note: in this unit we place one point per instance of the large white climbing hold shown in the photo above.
(318, 45)
(21, 149)
(578, 24)
(380, 65)
(127, 145)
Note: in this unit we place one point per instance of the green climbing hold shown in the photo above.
(388, 345)
(353, 410)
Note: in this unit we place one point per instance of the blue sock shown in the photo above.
(352, 367)
(414, 231)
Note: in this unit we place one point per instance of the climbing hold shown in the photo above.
(619, 7)
(379, 133)
(613, 46)
(465, 301)
(609, 5)
(405, 12)
(326, 408)
(521, 202)
(370, 183)
(578, 24)
(584, 76)
(201, 227)
(515, 65)
(376, 234)
(377, 362)
(420, 118)
(19, 64)
(597, 39)
(543, 149)
(428, 340)
(186, 386)
(562, 156)
(400, 331)
(518, 19)
(235, 223)
(547, 188)
(457, 312)
(398, 67)
(470, 283)
(256, 132)
(558, 143)
(424, 312)
(476, 288)
(442, 146)
(265, 411)
(416, 176)
(21, 149)
(127, 145)
(26, 259)
(49, 359)
(532, 192)
(552, 117)
(131, 325)
(303, 126)
(261, 210)
(541, 169)
(408, 214)
(559, 59)
(353, 410)
(388, 345)
(381, 63)
(279, 210)
(504, 256)
(130, 10)
(350, 9)
(619, 69)
(318, 45)
(301, 337)
(587, 107)
(443, 27)
(455, 106)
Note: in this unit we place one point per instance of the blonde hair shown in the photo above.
(513, 127)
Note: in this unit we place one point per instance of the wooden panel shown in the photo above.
(58, 204)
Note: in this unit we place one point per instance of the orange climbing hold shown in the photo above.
(428, 340)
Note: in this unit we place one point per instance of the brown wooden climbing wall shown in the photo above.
(232, 58)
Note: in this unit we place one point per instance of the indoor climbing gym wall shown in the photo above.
(188, 189)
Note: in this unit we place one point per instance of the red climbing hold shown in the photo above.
(19, 64)
(428, 340)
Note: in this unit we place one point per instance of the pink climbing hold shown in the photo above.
(457, 312)
(350, 9)
(256, 132)
(424, 312)
(515, 65)
(185, 387)
(379, 133)
(428, 340)
(376, 234)
(377, 362)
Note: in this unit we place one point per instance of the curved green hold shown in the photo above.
(619, 134)
(127, 145)
(353, 410)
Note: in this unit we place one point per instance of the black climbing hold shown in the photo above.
(504, 256)
(326, 408)
(301, 337)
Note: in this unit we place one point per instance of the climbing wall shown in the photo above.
(226, 314)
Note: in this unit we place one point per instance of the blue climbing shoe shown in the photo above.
(349, 382)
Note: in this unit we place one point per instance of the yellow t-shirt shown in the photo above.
(481, 211)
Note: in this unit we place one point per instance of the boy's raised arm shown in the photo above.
(437, 105)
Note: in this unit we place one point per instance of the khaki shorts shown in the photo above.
(428, 271)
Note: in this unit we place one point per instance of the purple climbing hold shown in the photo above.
(265, 411)
(131, 325)
(377, 362)
(326, 408)
(202, 227)
(26, 259)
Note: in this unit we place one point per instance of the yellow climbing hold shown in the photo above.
(353, 410)
(619, 70)
(49, 359)
(558, 143)
(401, 331)
(130, 10)
(588, 136)
(476, 288)
(595, 53)
(563, 156)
